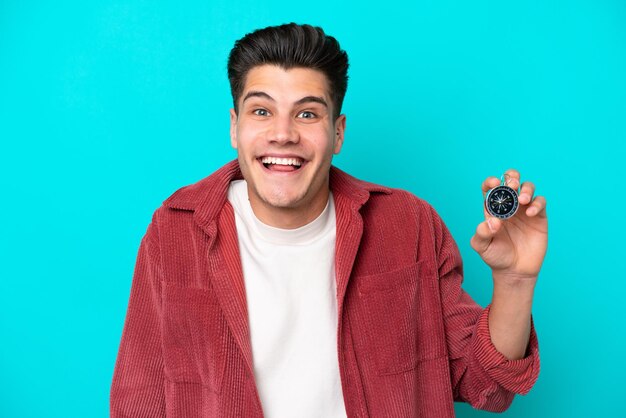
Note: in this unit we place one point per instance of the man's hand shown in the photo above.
(514, 248)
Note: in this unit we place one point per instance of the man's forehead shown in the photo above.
(280, 83)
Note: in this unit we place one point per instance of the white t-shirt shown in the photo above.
(289, 277)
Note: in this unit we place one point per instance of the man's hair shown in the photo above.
(290, 46)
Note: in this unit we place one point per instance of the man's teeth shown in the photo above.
(282, 161)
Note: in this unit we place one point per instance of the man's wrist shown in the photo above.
(514, 282)
(516, 294)
(509, 316)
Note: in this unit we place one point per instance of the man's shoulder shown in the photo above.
(199, 202)
(378, 196)
(374, 193)
(400, 207)
(402, 197)
(210, 188)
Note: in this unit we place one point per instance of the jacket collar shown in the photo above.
(207, 197)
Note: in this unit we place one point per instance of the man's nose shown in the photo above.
(284, 130)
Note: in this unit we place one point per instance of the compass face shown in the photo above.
(501, 202)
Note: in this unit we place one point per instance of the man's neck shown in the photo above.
(288, 218)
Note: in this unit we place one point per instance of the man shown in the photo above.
(280, 286)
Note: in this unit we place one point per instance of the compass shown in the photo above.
(501, 201)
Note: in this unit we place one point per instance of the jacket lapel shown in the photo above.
(349, 232)
(350, 195)
(229, 283)
(214, 215)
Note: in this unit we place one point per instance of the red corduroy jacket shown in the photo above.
(410, 340)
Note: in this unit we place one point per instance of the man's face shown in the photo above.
(285, 138)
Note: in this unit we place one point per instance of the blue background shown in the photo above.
(107, 107)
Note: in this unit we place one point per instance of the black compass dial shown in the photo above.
(501, 202)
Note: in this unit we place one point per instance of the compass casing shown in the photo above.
(501, 202)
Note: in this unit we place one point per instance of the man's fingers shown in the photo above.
(512, 178)
(537, 207)
(484, 234)
(489, 183)
(526, 193)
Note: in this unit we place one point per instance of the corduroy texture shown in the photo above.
(410, 340)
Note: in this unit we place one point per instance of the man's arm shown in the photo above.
(137, 389)
(481, 375)
(509, 317)
(514, 249)
(494, 352)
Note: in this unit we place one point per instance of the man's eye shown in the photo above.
(307, 115)
(260, 112)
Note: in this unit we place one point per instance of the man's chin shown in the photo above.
(283, 202)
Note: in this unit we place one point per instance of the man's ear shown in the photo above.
(340, 129)
(233, 128)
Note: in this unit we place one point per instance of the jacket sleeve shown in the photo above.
(137, 389)
(480, 374)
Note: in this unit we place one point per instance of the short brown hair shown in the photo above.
(290, 46)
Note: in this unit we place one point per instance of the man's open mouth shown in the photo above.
(282, 164)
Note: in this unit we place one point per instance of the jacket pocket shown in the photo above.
(399, 318)
(194, 336)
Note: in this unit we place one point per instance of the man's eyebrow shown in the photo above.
(306, 99)
(261, 94)
(314, 99)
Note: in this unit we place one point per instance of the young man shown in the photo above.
(280, 286)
